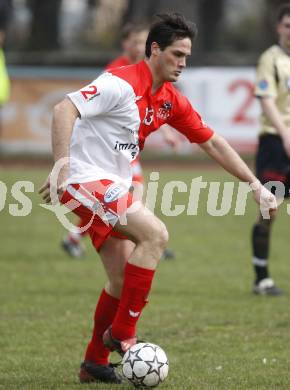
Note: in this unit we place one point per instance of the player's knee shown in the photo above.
(164, 235)
(159, 235)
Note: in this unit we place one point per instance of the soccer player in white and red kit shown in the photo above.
(133, 40)
(102, 128)
(133, 43)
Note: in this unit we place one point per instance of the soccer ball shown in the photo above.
(145, 365)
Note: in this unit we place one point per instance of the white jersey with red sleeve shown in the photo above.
(117, 113)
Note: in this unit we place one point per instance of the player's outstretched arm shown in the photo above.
(219, 149)
(64, 116)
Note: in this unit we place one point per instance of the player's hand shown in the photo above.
(44, 190)
(266, 200)
(54, 186)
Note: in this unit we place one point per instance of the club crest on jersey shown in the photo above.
(263, 84)
(164, 111)
(114, 192)
(149, 115)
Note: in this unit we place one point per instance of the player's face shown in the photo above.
(172, 60)
(283, 29)
(134, 46)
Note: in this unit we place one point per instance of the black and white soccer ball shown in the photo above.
(145, 365)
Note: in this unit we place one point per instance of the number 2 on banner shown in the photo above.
(92, 90)
(242, 114)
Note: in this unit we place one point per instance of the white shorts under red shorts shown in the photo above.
(137, 171)
(99, 204)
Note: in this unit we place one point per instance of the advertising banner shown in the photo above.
(223, 96)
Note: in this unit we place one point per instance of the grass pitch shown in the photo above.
(216, 334)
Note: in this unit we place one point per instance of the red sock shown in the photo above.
(104, 315)
(136, 288)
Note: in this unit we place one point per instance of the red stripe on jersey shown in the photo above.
(119, 61)
(167, 105)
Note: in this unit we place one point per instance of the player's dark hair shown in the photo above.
(283, 10)
(130, 28)
(167, 29)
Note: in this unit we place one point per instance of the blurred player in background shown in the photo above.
(133, 41)
(5, 12)
(88, 127)
(273, 156)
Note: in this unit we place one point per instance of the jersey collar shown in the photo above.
(284, 50)
(146, 73)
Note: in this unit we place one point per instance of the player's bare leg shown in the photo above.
(118, 256)
(114, 254)
(150, 237)
(148, 233)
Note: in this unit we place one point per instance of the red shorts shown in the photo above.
(99, 204)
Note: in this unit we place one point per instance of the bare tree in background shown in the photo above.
(5, 14)
(211, 15)
(106, 21)
(144, 11)
(136, 11)
(207, 14)
(45, 24)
